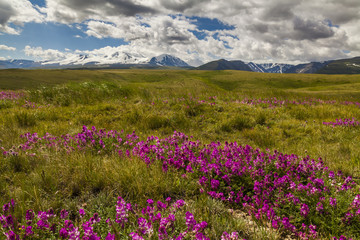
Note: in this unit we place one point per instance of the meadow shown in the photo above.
(178, 154)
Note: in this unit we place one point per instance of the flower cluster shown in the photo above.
(343, 122)
(29, 104)
(290, 193)
(11, 95)
(153, 220)
(263, 102)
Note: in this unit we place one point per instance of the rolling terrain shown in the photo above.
(210, 151)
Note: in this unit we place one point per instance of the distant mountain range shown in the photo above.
(343, 66)
(115, 60)
(126, 60)
(269, 67)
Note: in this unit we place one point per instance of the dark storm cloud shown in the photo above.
(280, 10)
(6, 11)
(311, 30)
(180, 6)
(172, 35)
(109, 7)
(259, 27)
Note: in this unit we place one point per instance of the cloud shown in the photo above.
(6, 11)
(7, 48)
(309, 29)
(262, 30)
(48, 54)
(17, 12)
(181, 5)
(69, 11)
(280, 10)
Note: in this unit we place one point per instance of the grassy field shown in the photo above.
(282, 112)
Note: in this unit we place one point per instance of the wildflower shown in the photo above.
(145, 227)
(29, 215)
(64, 233)
(319, 207)
(190, 221)
(150, 202)
(110, 237)
(11, 235)
(136, 236)
(28, 231)
(214, 184)
(333, 202)
(304, 210)
(232, 236)
(161, 205)
(63, 214)
(82, 212)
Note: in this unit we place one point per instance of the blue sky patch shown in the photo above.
(55, 36)
(199, 35)
(40, 3)
(210, 24)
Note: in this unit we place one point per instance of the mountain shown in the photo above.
(269, 67)
(312, 67)
(18, 63)
(223, 64)
(124, 60)
(168, 60)
(99, 59)
(114, 60)
(342, 66)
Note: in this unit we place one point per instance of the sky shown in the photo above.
(197, 31)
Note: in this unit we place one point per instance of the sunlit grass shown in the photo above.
(203, 104)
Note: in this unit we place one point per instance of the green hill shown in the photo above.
(223, 64)
(343, 66)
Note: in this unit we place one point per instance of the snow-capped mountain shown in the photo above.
(114, 59)
(269, 67)
(168, 60)
(100, 59)
(18, 63)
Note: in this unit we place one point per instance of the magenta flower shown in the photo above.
(150, 202)
(232, 236)
(82, 212)
(29, 231)
(215, 184)
(161, 206)
(190, 221)
(135, 236)
(11, 235)
(29, 215)
(63, 214)
(319, 207)
(110, 237)
(304, 210)
(333, 202)
(64, 233)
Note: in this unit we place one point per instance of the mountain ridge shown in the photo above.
(340, 66)
(123, 60)
(223, 64)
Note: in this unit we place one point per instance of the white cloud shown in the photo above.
(279, 30)
(7, 48)
(17, 12)
(45, 54)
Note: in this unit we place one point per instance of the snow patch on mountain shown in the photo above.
(100, 59)
(269, 67)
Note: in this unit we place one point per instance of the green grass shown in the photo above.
(159, 102)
